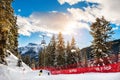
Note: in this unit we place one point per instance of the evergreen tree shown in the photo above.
(68, 53)
(8, 27)
(78, 55)
(33, 64)
(60, 51)
(26, 60)
(102, 33)
(73, 43)
(41, 58)
(46, 56)
(73, 54)
(51, 51)
(19, 63)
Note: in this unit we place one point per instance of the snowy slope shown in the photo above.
(12, 72)
(12, 62)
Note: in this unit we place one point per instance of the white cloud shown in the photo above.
(67, 23)
(108, 8)
(52, 22)
(46, 34)
(71, 2)
(81, 15)
(40, 36)
(49, 35)
(115, 28)
(24, 26)
(19, 10)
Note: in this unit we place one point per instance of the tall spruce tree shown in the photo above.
(19, 62)
(60, 51)
(68, 53)
(8, 28)
(51, 51)
(102, 33)
(32, 64)
(41, 58)
(73, 43)
(73, 51)
(78, 54)
(26, 60)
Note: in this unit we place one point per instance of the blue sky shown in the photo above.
(71, 17)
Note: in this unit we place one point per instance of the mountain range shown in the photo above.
(31, 49)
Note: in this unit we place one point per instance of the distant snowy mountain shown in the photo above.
(31, 49)
(115, 48)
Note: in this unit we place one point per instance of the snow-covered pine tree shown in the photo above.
(12, 40)
(19, 62)
(33, 64)
(73, 54)
(68, 53)
(51, 51)
(60, 51)
(26, 60)
(8, 29)
(41, 58)
(78, 52)
(102, 33)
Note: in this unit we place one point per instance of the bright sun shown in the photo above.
(69, 29)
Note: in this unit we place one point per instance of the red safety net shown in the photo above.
(64, 70)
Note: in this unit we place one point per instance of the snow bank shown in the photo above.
(12, 72)
(7, 73)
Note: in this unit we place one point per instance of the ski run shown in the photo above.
(13, 72)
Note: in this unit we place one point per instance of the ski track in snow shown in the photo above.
(12, 72)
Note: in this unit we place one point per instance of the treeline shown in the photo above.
(57, 53)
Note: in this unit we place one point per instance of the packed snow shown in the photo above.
(12, 72)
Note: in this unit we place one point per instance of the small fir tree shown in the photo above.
(51, 51)
(60, 51)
